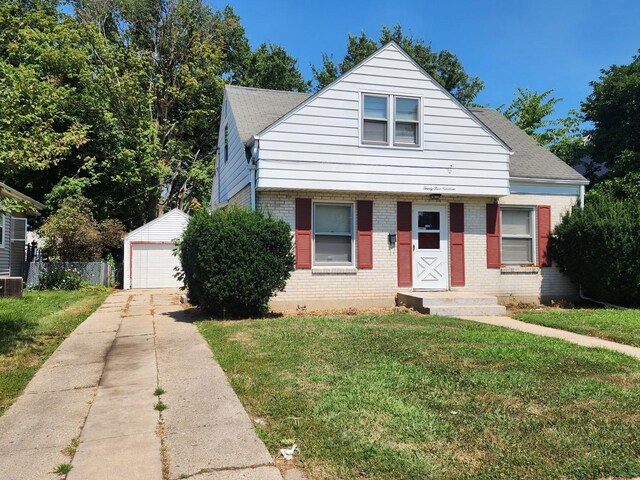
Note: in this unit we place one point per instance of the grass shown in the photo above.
(158, 391)
(160, 406)
(31, 328)
(63, 469)
(621, 326)
(403, 396)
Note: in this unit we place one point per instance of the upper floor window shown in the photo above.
(518, 229)
(375, 119)
(406, 121)
(380, 112)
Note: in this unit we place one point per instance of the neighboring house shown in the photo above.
(13, 233)
(149, 260)
(391, 185)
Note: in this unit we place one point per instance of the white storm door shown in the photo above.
(430, 247)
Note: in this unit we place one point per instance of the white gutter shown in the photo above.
(550, 180)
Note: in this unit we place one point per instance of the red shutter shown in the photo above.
(456, 243)
(303, 233)
(404, 245)
(365, 233)
(544, 233)
(493, 235)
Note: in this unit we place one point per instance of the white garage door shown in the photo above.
(153, 266)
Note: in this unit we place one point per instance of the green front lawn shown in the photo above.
(621, 326)
(402, 396)
(31, 329)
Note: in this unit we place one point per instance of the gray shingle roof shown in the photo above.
(254, 109)
(529, 159)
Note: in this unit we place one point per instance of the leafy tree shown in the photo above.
(444, 66)
(530, 111)
(270, 66)
(617, 188)
(39, 54)
(614, 109)
(73, 234)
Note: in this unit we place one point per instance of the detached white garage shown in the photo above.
(148, 252)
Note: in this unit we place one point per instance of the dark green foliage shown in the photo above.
(614, 109)
(57, 276)
(599, 248)
(234, 260)
(620, 188)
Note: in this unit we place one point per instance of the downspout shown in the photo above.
(253, 161)
(582, 197)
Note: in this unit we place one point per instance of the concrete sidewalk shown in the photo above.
(98, 387)
(578, 339)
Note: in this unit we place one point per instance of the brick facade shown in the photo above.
(339, 287)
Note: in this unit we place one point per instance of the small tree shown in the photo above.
(234, 260)
(599, 248)
(72, 234)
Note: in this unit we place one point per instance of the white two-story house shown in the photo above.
(391, 185)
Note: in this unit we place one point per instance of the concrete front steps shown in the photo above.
(451, 304)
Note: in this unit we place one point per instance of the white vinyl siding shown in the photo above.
(319, 145)
(232, 173)
(333, 234)
(517, 235)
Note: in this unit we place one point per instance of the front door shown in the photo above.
(430, 250)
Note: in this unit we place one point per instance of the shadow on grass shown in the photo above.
(195, 314)
(13, 331)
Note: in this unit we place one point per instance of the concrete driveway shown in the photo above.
(98, 389)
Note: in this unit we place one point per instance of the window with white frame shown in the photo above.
(517, 235)
(406, 121)
(375, 119)
(333, 234)
(2, 227)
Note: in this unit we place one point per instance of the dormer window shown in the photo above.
(375, 119)
(406, 121)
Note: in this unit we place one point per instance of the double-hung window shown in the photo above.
(333, 234)
(406, 121)
(375, 119)
(518, 232)
(2, 229)
(379, 112)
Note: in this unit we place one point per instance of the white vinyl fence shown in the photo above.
(94, 273)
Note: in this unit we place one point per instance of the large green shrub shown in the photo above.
(599, 248)
(234, 260)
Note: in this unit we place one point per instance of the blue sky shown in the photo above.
(559, 44)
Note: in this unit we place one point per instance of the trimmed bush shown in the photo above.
(599, 248)
(234, 260)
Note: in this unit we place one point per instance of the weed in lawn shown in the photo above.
(158, 391)
(63, 469)
(160, 406)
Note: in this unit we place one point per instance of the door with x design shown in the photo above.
(430, 247)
